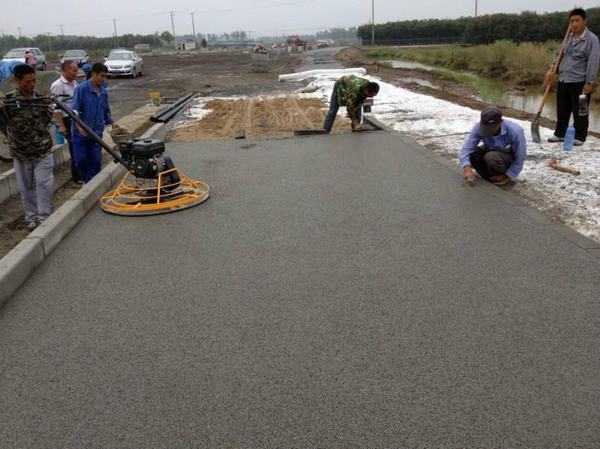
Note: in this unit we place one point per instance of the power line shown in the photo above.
(248, 8)
(208, 11)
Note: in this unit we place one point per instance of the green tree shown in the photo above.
(167, 37)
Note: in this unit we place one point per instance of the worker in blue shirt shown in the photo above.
(500, 157)
(90, 102)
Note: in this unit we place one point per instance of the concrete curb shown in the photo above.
(8, 180)
(585, 243)
(23, 259)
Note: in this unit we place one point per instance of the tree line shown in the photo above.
(57, 43)
(524, 27)
(89, 43)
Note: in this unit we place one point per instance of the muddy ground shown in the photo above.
(209, 74)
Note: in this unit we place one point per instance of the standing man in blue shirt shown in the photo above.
(501, 157)
(90, 102)
(576, 76)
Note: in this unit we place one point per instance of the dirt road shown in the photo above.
(209, 74)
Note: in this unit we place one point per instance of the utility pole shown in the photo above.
(49, 41)
(194, 28)
(372, 22)
(62, 31)
(19, 29)
(116, 36)
(173, 27)
(475, 8)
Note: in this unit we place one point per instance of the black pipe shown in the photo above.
(168, 113)
(90, 134)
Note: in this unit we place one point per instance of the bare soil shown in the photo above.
(259, 117)
(208, 74)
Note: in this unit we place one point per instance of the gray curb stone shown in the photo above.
(59, 224)
(18, 265)
(91, 193)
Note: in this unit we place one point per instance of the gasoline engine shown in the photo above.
(146, 160)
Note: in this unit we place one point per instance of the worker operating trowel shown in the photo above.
(495, 148)
(350, 91)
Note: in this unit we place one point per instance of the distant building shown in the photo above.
(184, 46)
(141, 47)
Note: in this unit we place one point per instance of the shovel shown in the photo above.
(535, 124)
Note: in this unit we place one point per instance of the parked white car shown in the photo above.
(18, 54)
(124, 62)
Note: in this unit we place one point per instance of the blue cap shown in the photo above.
(86, 67)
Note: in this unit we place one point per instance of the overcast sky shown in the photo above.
(261, 17)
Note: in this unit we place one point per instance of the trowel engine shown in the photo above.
(146, 159)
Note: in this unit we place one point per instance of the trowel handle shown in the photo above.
(90, 133)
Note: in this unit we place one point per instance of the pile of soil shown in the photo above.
(259, 117)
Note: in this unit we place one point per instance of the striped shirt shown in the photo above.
(64, 90)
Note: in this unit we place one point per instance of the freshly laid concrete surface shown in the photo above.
(343, 291)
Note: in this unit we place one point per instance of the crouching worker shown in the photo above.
(495, 148)
(350, 91)
(27, 116)
(90, 102)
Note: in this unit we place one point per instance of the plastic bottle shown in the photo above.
(59, 137)
(569, 139)
(583, 109)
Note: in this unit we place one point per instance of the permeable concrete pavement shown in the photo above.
(335, 291)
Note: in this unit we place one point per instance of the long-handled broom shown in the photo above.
(535, 124)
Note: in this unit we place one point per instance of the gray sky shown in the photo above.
(261, 17)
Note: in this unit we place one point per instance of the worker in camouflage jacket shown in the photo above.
(28, 115)
(350, 91)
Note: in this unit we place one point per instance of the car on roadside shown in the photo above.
(79, 56)
(122, 62)
(18, 54)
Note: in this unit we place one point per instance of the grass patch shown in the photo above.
(524, 64)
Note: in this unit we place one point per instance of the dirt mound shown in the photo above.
(259, 117)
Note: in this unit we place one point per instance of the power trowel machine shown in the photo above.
(152, 185)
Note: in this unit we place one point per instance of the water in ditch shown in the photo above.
(495, 93)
